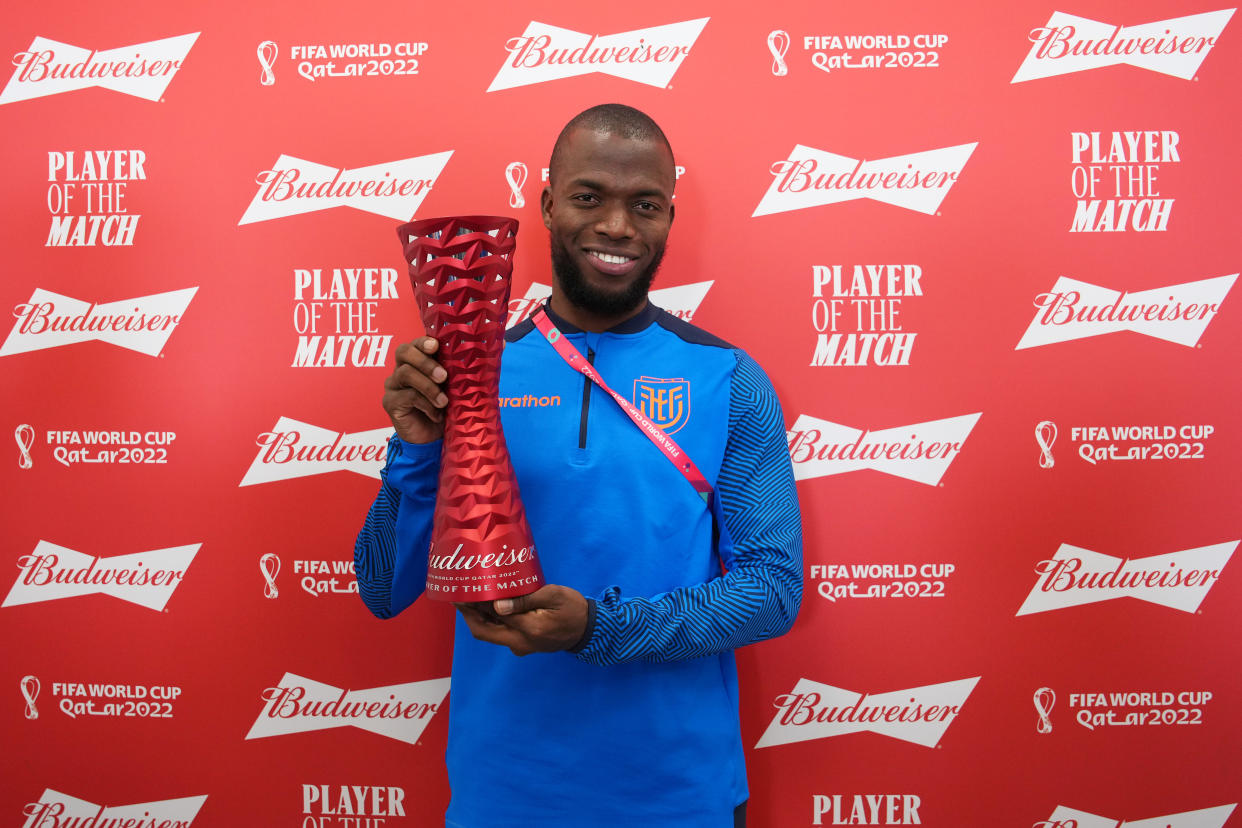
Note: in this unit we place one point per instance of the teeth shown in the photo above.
(610, 259)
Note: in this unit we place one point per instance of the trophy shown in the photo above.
(481, 545)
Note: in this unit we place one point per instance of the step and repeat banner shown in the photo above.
(987, 254)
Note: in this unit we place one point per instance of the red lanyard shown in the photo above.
(654, 433)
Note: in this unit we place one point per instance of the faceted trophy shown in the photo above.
(481, 546)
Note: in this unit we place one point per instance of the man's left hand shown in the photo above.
(549, 619)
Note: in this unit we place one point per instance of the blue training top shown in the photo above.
(640, 725)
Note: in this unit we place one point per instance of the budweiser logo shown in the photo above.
(144, 578)
(58, 810)
(143, 70)
(1075, 310)
(544, 53)
(1064, 817)
(1068, 43)
(817, 711)
(399, 711)
(813, 178)
(297, 449)
(682, 300)
(50, 320)
(293, 186)
(1075, 576)
(921, 452)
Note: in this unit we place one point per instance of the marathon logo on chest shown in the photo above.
(1069, 43)
(545, 53)
(143, 70)
(294, 186)
(58, 810)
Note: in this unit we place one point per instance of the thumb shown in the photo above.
(511, 606)
(520, 603)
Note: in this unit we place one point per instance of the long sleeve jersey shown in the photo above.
(639, 725)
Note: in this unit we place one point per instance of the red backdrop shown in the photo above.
(985, 255)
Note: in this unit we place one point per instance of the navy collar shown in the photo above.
(636, 323)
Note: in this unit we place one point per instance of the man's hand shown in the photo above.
(551, 618)
(413, 394)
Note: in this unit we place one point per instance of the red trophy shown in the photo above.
(481, 546)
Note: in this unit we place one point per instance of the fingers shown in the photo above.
(495, 632)
(413, 394)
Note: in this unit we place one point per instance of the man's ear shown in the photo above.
(545, 206)
(672, 212)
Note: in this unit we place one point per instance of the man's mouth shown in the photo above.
(612, 258)
(613, 264)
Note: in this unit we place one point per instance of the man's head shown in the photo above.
(608, 207)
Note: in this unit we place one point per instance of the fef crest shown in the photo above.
(666, 402)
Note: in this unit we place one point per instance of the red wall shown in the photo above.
(1057, 512)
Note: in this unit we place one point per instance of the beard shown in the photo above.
(600, 302)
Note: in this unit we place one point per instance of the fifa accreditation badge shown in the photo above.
(666, 402)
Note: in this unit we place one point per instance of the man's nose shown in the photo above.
(615, 223)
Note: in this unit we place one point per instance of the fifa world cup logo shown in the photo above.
(25, 437)
(30, 692)
(268, 52)
(778, 45)
(1044, 699)
(1046, 435)
(515, 174)
(269, 565)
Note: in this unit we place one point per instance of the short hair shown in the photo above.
(612, 118)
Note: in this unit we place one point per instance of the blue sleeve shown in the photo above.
(756, 506)
(390, 556)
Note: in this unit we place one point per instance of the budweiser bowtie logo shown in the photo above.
(1074, 44)
(55, 809)
(921, 452)
(50, 320)
(1076, 310)
(1064, 817)
(296, 449)
(143, 70)
(544, 53)
(144, 578)
(399, 711)
(1075, 576)
(813, 178)
(682, 300)
(293, 186)
(818, 711)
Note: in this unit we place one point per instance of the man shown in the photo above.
(626, 710)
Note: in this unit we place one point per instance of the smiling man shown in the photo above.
(609, 696)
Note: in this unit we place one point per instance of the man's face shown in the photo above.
(608, 210)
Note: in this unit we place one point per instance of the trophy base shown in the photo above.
(474, 573)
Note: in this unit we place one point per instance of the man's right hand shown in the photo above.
(414, 393)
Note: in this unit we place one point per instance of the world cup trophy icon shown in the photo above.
(481, 545)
